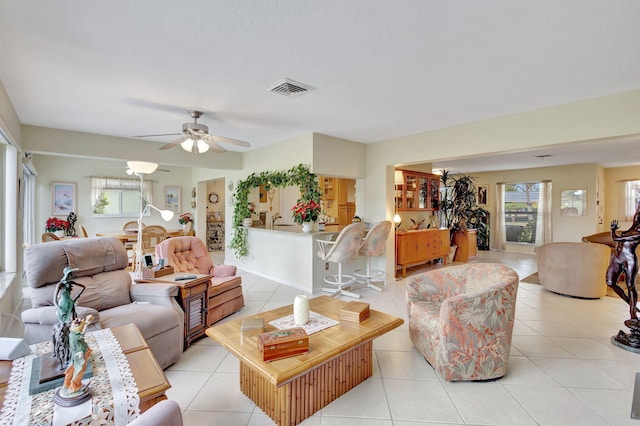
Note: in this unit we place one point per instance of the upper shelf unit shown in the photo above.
(418, 191)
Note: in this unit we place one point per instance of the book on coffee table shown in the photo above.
(354, 312)
(252, 324)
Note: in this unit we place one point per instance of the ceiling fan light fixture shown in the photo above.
(187, 144)
(202, 146)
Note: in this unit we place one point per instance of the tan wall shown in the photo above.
(614, 195)
(565, 228)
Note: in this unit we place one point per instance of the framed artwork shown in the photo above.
(573, 202)
(63, 198)
(483, 194)
(172, 199)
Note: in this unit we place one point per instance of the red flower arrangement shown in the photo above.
(54, 224)
(185, 218)
(306, 211)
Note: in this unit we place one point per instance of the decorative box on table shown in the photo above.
(283, 343)
(150, 273)
(354, 312)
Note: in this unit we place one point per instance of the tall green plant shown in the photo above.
(458, 205)
(299, 176)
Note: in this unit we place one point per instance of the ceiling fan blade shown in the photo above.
(174, 143)
(215, 147)
(151, 136)
(232, 141)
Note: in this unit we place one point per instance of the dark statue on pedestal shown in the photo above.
(66, 312)
(624, 260)
(72, 219)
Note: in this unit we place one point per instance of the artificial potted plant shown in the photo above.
(458, 205)
(306, 211)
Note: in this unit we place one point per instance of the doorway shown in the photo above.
(212, 199)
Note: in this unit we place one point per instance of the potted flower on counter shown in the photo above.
(305, 212)
(185, 220)
(56, 226)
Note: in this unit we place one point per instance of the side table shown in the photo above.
(193, 299)
(150, 379)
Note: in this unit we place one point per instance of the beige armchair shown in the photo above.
(109, 294)
(574, 269)
(461, 319)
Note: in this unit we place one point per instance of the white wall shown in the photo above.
(53, 168)
(608, 116)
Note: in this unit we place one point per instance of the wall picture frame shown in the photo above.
(172, 198)
(63, 198)
(573, 202)
(482, 192)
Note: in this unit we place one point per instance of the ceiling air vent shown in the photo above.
(290, 88)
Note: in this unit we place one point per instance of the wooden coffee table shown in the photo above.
(290, 390)
(150, 379)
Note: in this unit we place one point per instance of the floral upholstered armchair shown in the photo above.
(461, 319)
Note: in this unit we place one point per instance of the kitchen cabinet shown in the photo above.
(421, 246)
(418, 191)
(346, 212)
(327, 186)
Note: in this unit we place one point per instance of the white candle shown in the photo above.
(301, 309)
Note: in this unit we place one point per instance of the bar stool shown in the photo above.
(344, 247)
(374, 244)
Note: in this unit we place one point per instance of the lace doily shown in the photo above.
(114, 391)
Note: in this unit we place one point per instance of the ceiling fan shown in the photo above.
(195, 137)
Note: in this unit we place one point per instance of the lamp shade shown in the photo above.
(398, 178)
(397, 218)
(166, 215)
(142, 167)
(202, 146)
(187, 144)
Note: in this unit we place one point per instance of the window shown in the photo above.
(521, 212)
(631, 198)
(118, 197)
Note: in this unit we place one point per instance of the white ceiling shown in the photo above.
(381, 69)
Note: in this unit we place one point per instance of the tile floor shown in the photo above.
(563, 369)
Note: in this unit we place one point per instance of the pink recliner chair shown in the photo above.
(189, 254)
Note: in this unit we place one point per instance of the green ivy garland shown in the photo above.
(299, 175)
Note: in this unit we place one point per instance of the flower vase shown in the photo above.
(59, 234)
(306, 227)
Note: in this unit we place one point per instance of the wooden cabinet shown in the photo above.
(415, 247)
(467, 245)
(346, 212)
(418, 191)
(193, 297)
(327, 186)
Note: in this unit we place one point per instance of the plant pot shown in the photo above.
(59, 234)
(306, 227)
(247, 221)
